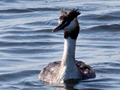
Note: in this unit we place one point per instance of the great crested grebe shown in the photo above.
(68, 68)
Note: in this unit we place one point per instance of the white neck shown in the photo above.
(69, 51)
(68, 69)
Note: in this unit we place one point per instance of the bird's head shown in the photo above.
(68, 21)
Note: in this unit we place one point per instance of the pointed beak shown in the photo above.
(57, 28)
(60, 27)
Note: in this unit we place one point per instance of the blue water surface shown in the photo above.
(27, 43)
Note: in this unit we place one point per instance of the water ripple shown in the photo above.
(17, 75)
(26, 10)
(101, 28)
(108, 16)
(15, 44)
(27, 43)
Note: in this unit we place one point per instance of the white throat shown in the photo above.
(69, 51)
(68, 69)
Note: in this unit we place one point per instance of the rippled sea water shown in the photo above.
(27, 44)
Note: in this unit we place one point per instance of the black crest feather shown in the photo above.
(70, 14)
(74, 13)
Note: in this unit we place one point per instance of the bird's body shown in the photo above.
(50, 72)
(68, 68)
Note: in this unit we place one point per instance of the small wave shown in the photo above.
(26, 31)
(115, 14)
(109, 71)
(27, 51)
(31, 83)
(101, 28)
(109, 64)
(37, 23)
(108, 18)
(98, 80)
(15, 11)
(27, 10)
(17, 75)
(89, 17)
(42, 23)
(34, 44)
(104, 17)
(9, 1)
(98, 46)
